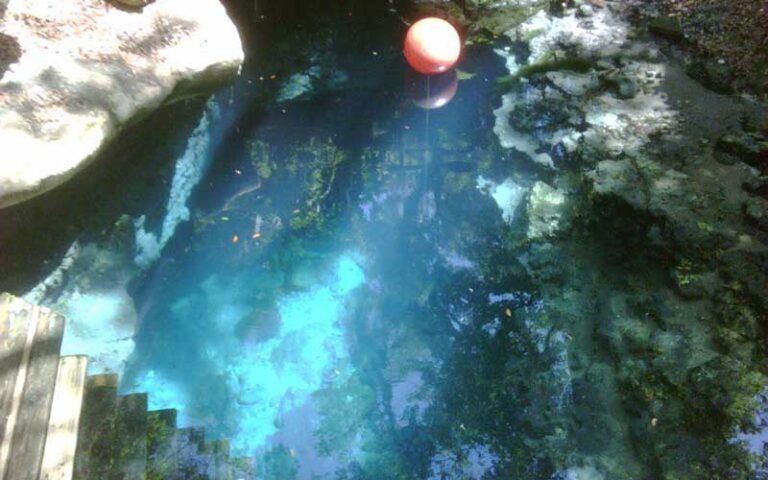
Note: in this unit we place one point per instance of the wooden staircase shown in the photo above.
(58, 424)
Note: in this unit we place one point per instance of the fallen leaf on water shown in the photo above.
(461, 75)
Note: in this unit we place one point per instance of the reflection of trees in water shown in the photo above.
(482, 372)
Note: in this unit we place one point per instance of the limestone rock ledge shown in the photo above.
(88, 68)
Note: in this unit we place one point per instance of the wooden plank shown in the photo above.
(162, 461)
(108, 380)
(131, 437)
(61, 440)
(16, 337)
(95, 440)
(192, 462)
(219, 467)
(242, 467)
(34, 410)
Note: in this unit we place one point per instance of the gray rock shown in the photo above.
(626, 88)
(67, 95)
(623, 86)
(751, 148)
(586, 11)
(714, 75)
(696, 284)
(572, 83)
(131, 4)
(667, 27)
(10, 52)
(546, 211)
(756, 211)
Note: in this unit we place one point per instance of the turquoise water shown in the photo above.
(334, 278)
(514, 285)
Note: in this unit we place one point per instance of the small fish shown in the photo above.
(508, 312)
(256, 235)
(235, 239)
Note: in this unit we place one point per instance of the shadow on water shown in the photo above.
(130, 177)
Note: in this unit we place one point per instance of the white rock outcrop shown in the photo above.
(88, 68)
(546, 211)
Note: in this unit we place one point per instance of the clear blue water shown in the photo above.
(337, 273)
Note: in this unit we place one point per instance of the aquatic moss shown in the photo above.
(279, 463)
(343, 409)
(319, 203)
(490, 19)
(548, 64)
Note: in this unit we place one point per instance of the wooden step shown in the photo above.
(218, 469)
(242, 468)
(61, 439)
(96, 435)
(27, 394)
(13, 340)
(162, 461)
(131, 437)
(58, 424)
(192, 460)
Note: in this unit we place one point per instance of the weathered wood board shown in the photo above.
(26, 424)
(61, 440)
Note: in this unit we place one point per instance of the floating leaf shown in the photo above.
(462, 75)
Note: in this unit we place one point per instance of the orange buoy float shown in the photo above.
(432, 46)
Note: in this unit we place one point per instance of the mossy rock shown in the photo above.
(724, 390)
(668, 27)
(574, 64)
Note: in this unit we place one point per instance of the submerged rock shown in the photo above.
(751, 148)
(573, 83)
(667, 27)
(579, 473)
(90, 288)
(624, 87)
(546, 214)
(87, 69)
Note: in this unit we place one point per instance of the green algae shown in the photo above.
(343, 409)
(551, 64)
(279, 463)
